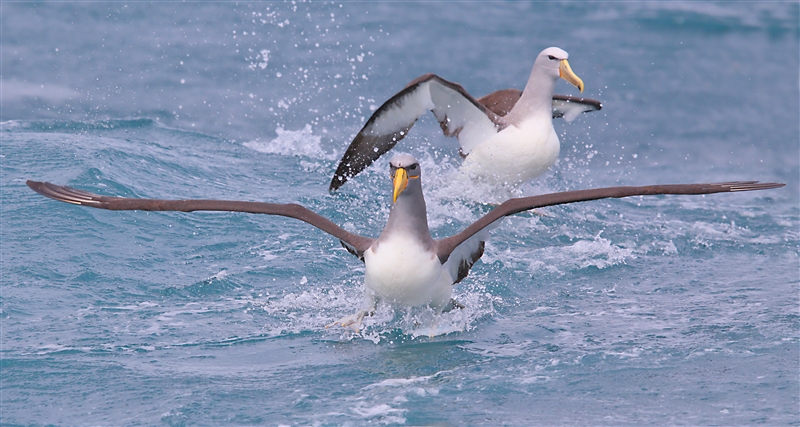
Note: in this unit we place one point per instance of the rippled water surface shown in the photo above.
(661, 310)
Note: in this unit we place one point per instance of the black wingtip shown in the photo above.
(45, 189)
(37, 186)
(336, 182)
(65, 194)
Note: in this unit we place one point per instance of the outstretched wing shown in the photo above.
(446, 247)
(568, 107)
(354, 243)
(457, 111)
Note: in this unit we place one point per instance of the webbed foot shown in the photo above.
(353, 321)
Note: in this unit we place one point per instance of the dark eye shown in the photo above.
(551, 57)
(413, 167)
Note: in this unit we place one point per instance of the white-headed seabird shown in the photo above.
(506, 136)
(405, 265)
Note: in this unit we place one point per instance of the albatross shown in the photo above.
(506, 136)
(405, 265)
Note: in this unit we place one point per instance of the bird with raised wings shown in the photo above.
(405, 265)
(506, 136)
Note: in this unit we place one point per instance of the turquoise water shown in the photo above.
(661, 310)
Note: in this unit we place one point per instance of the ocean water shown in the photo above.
(642, 311)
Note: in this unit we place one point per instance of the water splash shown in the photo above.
(300, 143)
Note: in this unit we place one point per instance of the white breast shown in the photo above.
(516, 154)
(402, 272)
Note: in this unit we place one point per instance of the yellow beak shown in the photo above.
(400, 182)
(565, 71)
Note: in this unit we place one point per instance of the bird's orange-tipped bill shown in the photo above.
(566, 73)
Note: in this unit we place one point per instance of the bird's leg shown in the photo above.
(354, 320)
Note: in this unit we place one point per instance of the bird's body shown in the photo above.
(516, 154)
(506, 136)
(406, 241)
(405, 265)
(388, 274)
(527, 145)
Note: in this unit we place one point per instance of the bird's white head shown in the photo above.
(554, 61)
(403, 168)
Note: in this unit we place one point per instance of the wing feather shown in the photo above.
(570, 107)
(445, 247)
(385, 128)
(355, 243)
(458, 113)
(467, 253)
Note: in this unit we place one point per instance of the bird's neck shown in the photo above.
(536, 99)
(409, 217)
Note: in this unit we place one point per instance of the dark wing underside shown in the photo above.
(458, 113)
(447, 246)
(354, 243)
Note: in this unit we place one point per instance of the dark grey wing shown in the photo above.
(447, 246)
(458, 113)
(570, 107)
(354, 243)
